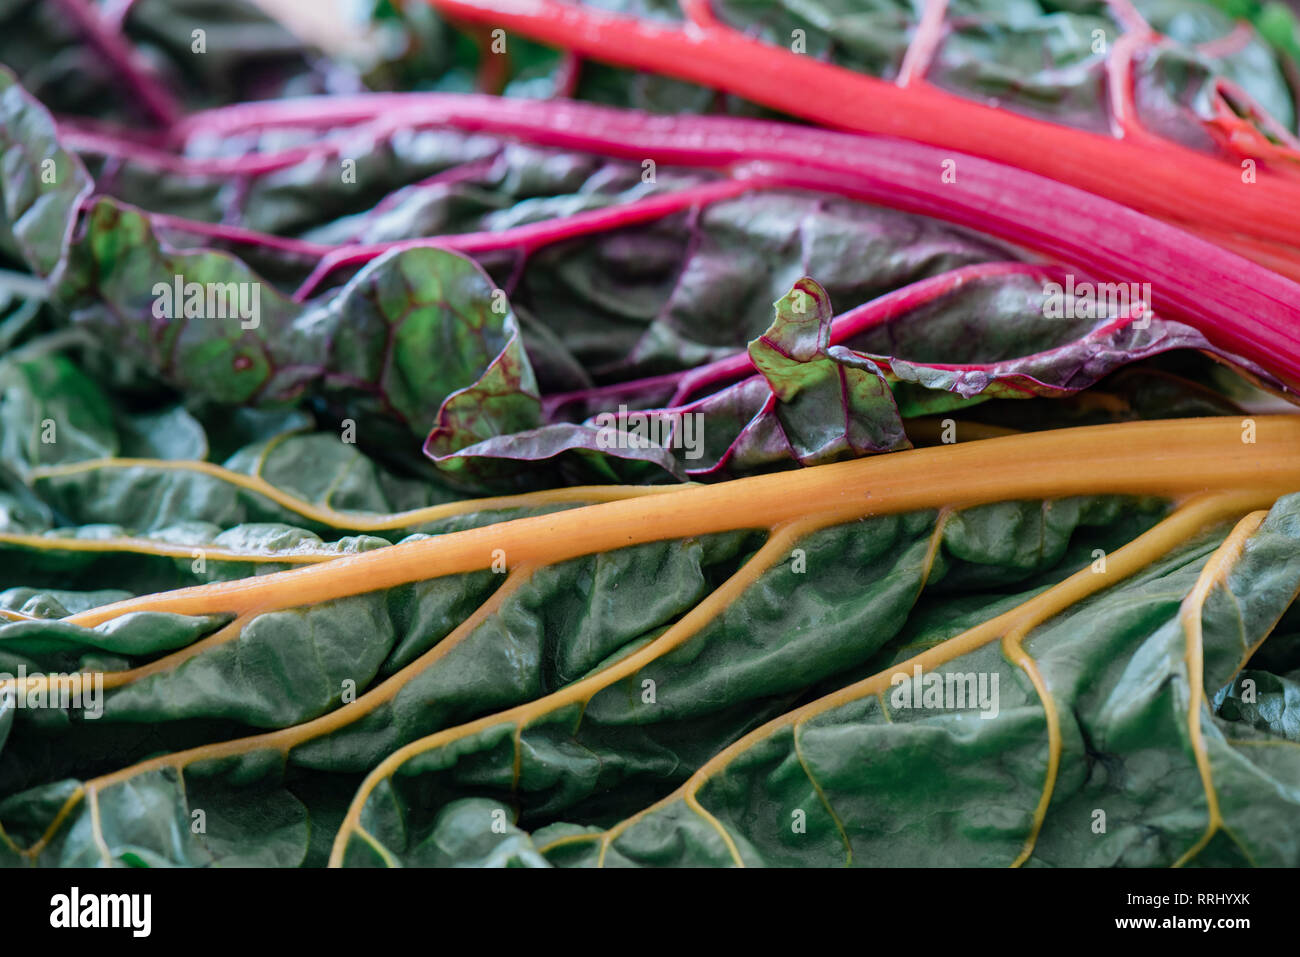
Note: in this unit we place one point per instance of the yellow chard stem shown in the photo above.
(1173, 459)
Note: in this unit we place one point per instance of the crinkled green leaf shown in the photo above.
(41, 184)
(567, 622)
(850, 779)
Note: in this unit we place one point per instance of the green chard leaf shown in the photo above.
(1050, 731)
(41, 184)
(696, 677)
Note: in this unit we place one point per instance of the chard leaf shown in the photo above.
(995, 331)
(41, 399)
(86, 512)
(1037, 58)
(420, 341)
(617, 684)
(232, 590)
(409, 331)
(416, 48)
(1264, 702)
(844, 779)
(812, 405)
(244, 54)
(42, 185)
(826, 399)
(56, 603)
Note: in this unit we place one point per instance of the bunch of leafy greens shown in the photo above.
(278, 322)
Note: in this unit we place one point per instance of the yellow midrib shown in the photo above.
(1215, 572)
(1167, 458)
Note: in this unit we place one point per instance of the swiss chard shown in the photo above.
(821, 458)
(384, 347)
(650, 680)
(1146, 172)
